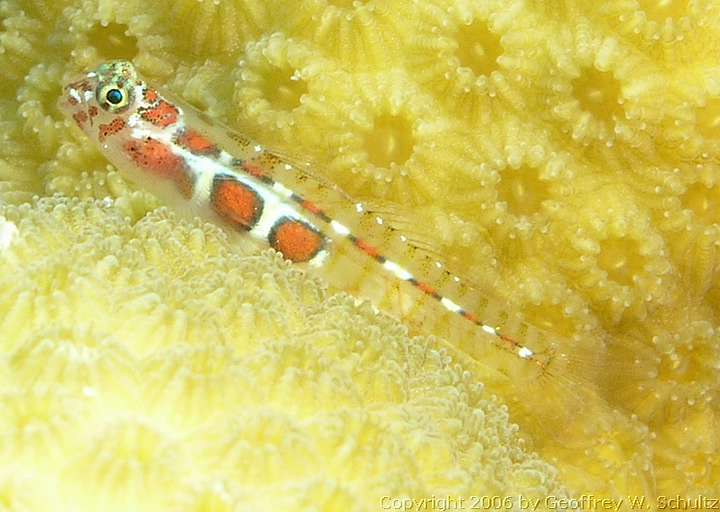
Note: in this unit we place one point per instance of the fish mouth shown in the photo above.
(71, 97)
(76, 101)
(77, 93)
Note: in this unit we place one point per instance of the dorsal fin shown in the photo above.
(298, 175)
(381, 229)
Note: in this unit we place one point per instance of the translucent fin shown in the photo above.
(547, 400)
(547, 392)
(298, 175)
(554, 369)
(420, 246)
(398, 220)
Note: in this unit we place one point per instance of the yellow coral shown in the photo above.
(565, 153)
(148, 365)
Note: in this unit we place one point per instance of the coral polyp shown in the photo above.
(357, 33)
(220, 28)
(273, 82)
(474, 56)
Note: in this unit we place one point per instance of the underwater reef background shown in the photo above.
(565, 153)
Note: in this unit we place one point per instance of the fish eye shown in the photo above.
(114, 96)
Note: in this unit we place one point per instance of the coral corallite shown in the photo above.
(564, 154)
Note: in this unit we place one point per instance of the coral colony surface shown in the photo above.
(564, 153)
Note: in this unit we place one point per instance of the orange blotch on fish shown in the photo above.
(295, 240)
(82, 85)
(368, 249)
(311, 207)
(197, 143)
(111, 128)
(80, 118)
(236, 202)
(150, 95)
(253, 170)
(474, 319)
(163, 114)
(510, 341)
(426, 288)
(154, 156)
(184, 183)
(93, 111)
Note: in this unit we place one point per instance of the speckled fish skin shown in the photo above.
(153, 141)
(202, 168)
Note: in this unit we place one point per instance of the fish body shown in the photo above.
(204, 169)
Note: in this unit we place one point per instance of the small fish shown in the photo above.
(205, 169)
